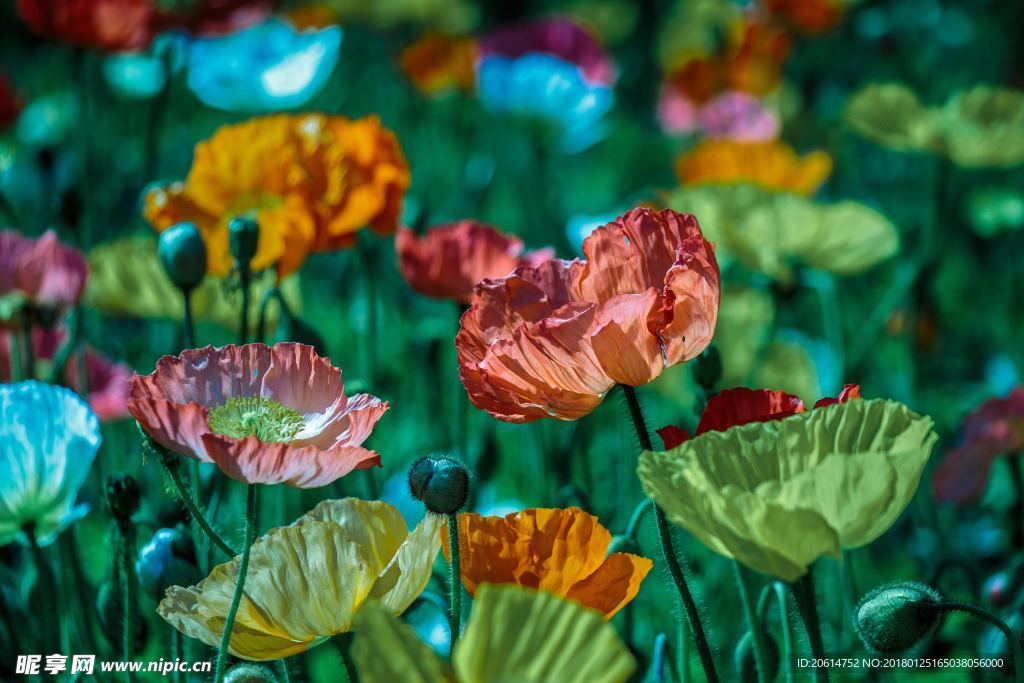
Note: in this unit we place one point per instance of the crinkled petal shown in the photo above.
(256, 462)
(613, 584)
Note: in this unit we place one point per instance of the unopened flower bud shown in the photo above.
(441, 484)
(707, 367)
(746, 659)
(122, 497)
(249, 673)
(895, 617)
(182, 253)
(243, 239)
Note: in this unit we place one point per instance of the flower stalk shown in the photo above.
(1012, 638)
(668, 551)
(343, 642)
(803, 593)
(48, 590)
(752, 622)
(243, 568)
(455, 583)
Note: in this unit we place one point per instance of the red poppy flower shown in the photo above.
(214, 17)
(993, 430)
(102, 24)
(850, 391)
(10, 103)
(672, 436)
(263, 415)
(41, 272)
(550, 341)
(449, 261)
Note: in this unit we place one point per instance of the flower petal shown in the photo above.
(622, 341)
(740, 406)
(613, 584)
(256, 462)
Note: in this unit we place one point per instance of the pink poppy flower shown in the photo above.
(732, 115)
(448, 261)
(43, 272)
(263, 415)
(550, 341)
(561, 38)
(993, 430)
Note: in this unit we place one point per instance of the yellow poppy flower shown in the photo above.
(770, 165)
(130, 264)
(437, 63)
(513, 634)
(977, 128)
(769, 232)
(311, 181)
(778, 495)
(307, 582)
(561, 551)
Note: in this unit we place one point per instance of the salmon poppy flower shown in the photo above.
(448, 261)
(437, 63)
(770, 165)
(550, 341)
(311, 181)
(561, 551)
(995, 429)
(40, 273)
(263, 415)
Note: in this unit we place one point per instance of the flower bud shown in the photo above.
(746, 659)
(707, 367)
(895, 617)
(441, 484)
(182, 253)
(243, 239)
(167, 560)
(249, 673)
(122, 497)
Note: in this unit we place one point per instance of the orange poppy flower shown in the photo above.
(448, 261)
(550, 341)
(311, 181)
(263, 415)
(808, 16)
(561, 551)
(771, 165)
(437, 63)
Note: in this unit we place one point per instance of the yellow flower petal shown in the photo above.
(377, 527)
(514, 634)
(409, 571)
(770, 165)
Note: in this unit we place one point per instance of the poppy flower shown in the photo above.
(311, 182)
(437, 63)
(10, 103)
(995, 429)
(778, 494)
(268, 67)
(448, 261)
(107, 382)
(512, 634)
(308, 581)
(561, 551)
(731, 115)
(263, 415)
(551, 341)
(770, 165)
(40, 273)
(808, 16)
(48, 441)
(559, 37)
(111, 25)
(214, 17)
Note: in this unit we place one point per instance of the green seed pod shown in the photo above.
(895, 617)
(707, 367)
(249, 673)
(182, 253)
(441, 484)
(243, 239)
(122, 497)
(746, 660)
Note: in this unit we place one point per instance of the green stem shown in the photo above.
(193, 508)
(48, 592)
(282, 666)
(1012, 638)
(803, 593)
(12, 631)
(178, 653)
(343, 641)
(261, 321)
(454, 583)
(638, 515)
(370, 335)
(752, 623)
(668, 551)
(29, 359)
(243, 568)
(187, 324)
(69, 546)
(658, 659)
(128, 573)
(245, 280)
(787, 630)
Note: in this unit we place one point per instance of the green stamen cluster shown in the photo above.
(264, 418)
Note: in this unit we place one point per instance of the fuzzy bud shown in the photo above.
(441, 484)
(182, 253)
(746, 659)
(122, 497)
(243, 239)
(249, 673)
(895, 617)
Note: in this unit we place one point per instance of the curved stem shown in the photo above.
(638, 515)
(658, 659)
(282, 666)
(245, 278)
(1012, 639)
(787, 630)
(187, 324)
(803, 592)
(343, 642)
(261, 321)
(668, 551)
(455, 583)
(193, 509)
(752, 623)
(48, 589)
(128, 573)
(243, 568)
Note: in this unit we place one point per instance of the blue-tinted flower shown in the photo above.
(548, 87)
(269, 67)
(48, 440)
(141, 75)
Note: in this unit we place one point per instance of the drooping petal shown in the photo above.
(257, 462)
(409, 571)
(613, 584)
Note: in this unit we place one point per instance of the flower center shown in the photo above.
(264, 418)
